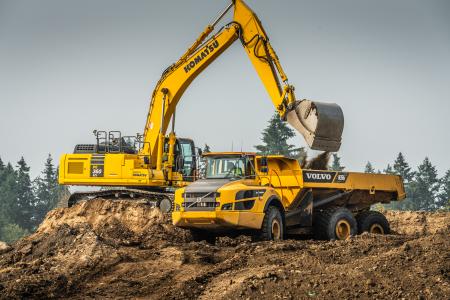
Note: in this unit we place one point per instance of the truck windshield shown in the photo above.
(228, 167)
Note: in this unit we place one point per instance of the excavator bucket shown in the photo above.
(321, 124)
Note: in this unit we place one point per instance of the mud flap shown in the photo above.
(321, 124)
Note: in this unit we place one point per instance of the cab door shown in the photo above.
(186, 160)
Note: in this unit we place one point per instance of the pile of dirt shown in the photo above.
(418, 222)
(122, 249)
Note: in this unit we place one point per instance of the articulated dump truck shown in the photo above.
(272, 196)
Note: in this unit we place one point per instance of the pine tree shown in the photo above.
(2, 165)
(46, 191)
(300, 155)
(206, 149)
(5, 202)
(336, 165)
(2, 171)
(369, 168)
(25, 197)
(8, 194)
(275, 138)
(12, 232)
(402, 168)
(388, 170)
(444, 194)
(8, 198)
(425, 187)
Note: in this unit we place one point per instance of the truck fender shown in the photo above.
(274, 201)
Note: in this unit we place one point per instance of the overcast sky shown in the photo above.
(68, 67)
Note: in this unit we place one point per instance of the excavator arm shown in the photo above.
(321, 124)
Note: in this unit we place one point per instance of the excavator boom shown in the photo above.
(321, 124)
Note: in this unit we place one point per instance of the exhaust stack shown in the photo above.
(321, 124)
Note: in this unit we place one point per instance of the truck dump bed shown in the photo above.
(362, 189)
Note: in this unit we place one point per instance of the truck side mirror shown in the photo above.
(200, 152)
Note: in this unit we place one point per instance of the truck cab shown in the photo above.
(228, 196)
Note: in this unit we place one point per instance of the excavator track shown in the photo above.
(161, 200)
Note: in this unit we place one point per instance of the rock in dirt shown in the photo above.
(122, 249)
(4, 247)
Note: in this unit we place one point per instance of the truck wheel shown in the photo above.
(273, 225)
(335, 223)
(372, 222)
(201, 235)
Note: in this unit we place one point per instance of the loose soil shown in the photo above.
(121, 249)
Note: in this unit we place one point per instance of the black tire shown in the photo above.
(202, 235)
(372, 222)
(272, 226)
(334, 223)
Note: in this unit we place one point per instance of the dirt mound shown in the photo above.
(418, 222)
(105, 249)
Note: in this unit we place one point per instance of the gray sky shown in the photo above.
(68, 67)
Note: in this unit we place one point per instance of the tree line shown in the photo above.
(25, 202)
(424, 189)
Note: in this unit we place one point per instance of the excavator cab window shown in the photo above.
(184, 157)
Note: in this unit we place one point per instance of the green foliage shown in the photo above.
(25, 197)
(444, 194)
(336, 165)
(12, 232)
(369, 168)
(422, 187)
(300, 155)
(402, 168)
(24, 203)
(275, 139)
(425, 187)
(206, 149)
(388, 170)
(8, 194)
(47, 192)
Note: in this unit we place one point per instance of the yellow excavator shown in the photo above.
(152, 165)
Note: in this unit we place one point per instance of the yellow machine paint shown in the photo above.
(156, 160)
(230, 199)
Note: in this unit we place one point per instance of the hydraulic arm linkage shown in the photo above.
(321, 124)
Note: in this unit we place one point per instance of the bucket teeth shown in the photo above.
(321, 124)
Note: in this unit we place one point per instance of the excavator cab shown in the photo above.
(320, 123)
